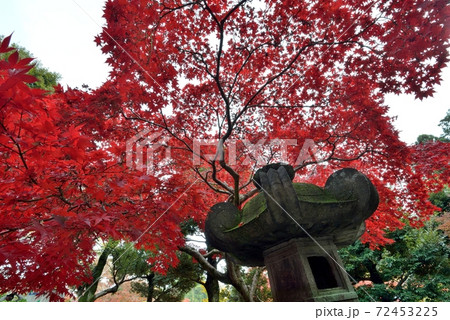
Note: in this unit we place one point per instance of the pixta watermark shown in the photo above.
(142, 148)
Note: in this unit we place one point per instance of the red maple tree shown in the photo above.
(241, 72)
(61, 190)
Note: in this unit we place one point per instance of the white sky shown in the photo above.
(60, 33)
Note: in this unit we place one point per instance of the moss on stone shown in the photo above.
(306, 192)
(251, 210)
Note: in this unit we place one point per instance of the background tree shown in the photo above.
(258, 281)
(73, 191)
(445, 137)
(416, 267)
(427, 160)
(45, 79)
(120, 262)
(88, 290)
(173, 285)
(445, 125)
(442, 199)
(197, 294)
(12, 297)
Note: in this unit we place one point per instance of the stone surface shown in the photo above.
(284, 210)
(294, 229)
(275, 166)
(307, 270)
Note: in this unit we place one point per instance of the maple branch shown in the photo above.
(199, 58)
(270, 80)
(188, 148)
(8, 230)
(247, 59)
(139, 118)
(357, 157)
(286, 106)
(112, 289)
(221, 183)
(219, 123)
(232, 11)
(222, 277)
(211, 253)
(230, 124)
(205, 179)
(173, 9)
(19, 151)
(225, 97)
(164, 127)
(221, 26)
(36, 199)
(248, 195)
(332, 43)
(235, 177)
(289, 66)
(219, 52)
(363, 30)
(20, 128)
(253, 191)
(331, 156)
(3, 232)
(7, 101)
(250, 179)
(62, 198)
(8, 147)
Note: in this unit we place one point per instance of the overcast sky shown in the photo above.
(60, 33)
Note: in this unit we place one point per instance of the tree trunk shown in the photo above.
(233, 275)
(212, 284)
(90, 289)
(151, 287)
(236, 279)
(375, 276)
(252, 291)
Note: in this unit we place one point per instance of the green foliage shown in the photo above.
(46, 79)
(445, 137)
(197, 294)
(360, 261)
(189, 227)
(128, 261)
(415, 267)
(229, 294)
(12, 297)
(423, 138)
(377, 292)
(177, 282)
(445, 125)
(172, 286)
(441, 199)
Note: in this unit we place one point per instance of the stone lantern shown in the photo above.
(295, 229)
